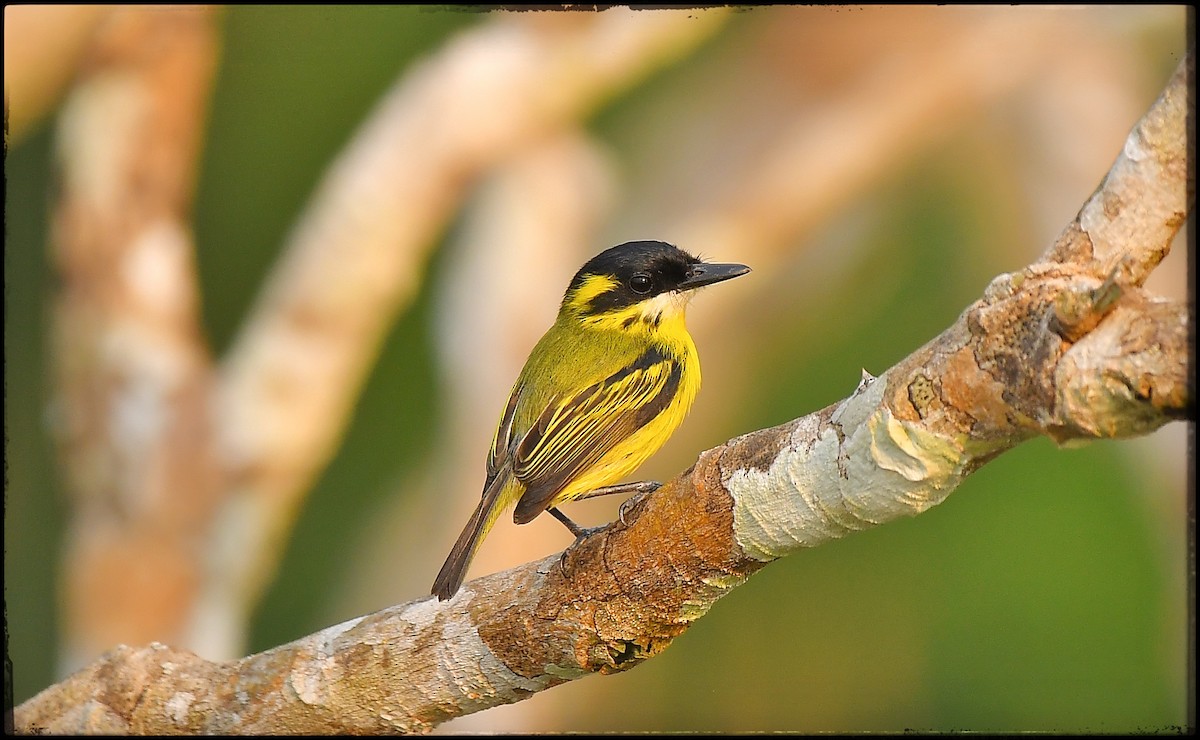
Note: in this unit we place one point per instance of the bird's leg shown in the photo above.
(578, 531)
(641, 487)
(640, 490)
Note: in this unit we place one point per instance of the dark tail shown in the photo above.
(450, 577)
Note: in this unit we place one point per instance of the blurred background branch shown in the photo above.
(131, 403)
(42, 51)
(857, 157)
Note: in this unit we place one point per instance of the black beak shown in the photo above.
(707, 273)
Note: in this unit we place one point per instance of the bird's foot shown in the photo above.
(647, 487)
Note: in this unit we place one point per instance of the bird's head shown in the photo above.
(640, 283)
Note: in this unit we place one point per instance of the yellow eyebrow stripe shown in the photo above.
(592, 286)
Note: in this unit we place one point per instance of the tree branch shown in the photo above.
(1071, 347)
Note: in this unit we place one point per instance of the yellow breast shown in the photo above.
(666, 326)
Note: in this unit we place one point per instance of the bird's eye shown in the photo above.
(640, 283)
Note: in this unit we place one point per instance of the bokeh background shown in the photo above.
(877, 167)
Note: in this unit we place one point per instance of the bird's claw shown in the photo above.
(648, 487)
(581, 534)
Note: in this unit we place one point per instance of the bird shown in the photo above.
(607, 384)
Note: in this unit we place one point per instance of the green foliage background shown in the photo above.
(1036, 598)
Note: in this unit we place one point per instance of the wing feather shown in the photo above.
(574, 433)
(502, 438)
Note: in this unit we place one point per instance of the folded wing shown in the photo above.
(574, 433)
